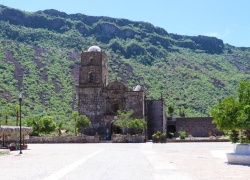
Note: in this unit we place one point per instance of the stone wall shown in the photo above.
(92, 103)
(187, 140)
(128, 138)
(135, 101)
(156, 119)
(197, 126)
(63, 139)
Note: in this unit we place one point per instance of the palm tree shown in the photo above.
(59, 128)
(17, 108)
(75, 115)
(6, 112)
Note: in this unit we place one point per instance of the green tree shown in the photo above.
(125, 121)
(48, 124)
(35, 124)
(82, 122)
(233, 114)
(137, 124)
(225, 114)
(123, 118)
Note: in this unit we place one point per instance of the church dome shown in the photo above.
(138, 88)
(94, 48)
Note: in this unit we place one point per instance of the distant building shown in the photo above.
(99, 100)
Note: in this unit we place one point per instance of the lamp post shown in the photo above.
(20, 96)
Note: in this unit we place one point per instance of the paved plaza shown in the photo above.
(110, 161)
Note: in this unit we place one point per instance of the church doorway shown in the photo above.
(171, 129)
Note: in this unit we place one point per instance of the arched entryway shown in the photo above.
(115, 129)
(171, 129)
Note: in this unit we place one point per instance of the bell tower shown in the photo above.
(93, 80)
(93, 71)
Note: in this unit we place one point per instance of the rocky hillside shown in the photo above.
(40, 54)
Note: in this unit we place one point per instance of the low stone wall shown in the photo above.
(128, 138)
(196, 140)
(63, 139)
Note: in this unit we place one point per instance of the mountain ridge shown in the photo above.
(40, 52)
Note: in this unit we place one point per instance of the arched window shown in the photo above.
(90, 77)
(91, 59)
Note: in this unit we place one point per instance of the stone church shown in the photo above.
(100, 99)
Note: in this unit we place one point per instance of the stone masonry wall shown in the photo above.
(135, 101)
(92, 103)
(197, 126)
(128, 138)
(155, 117)
(63, 139)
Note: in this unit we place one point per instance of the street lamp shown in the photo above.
(20, 96)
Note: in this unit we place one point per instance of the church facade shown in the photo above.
(99, 100)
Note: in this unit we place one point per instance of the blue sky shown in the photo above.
(228, 20)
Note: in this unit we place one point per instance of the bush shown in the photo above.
(159, 137)
(44, 125)
(82, 123)
(182, 134)
(163, 138)
(170, 135)
(155, 138)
